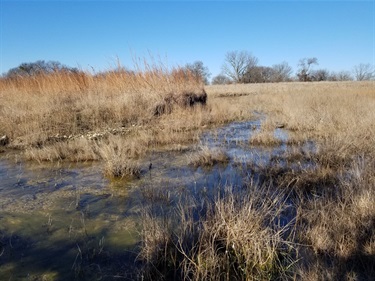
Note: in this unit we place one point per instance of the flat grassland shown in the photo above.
(119, 117)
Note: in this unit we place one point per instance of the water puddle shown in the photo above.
(64, 222)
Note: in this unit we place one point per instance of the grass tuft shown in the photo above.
(208, 157)
(120, 160)
(234, 239)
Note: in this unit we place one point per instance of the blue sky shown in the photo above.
(92, 34)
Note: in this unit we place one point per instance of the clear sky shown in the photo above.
(91, 34)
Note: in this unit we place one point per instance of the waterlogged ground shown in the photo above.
(65, 221)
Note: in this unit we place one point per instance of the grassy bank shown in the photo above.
(118, 114)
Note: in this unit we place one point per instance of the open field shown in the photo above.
(307, 213)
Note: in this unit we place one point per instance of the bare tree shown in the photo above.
(363, 71)
(344, 76)
(304, 71)
(281, 72)
(220, 80)
(258, 74)
(340, 76)
(320, 75)
(199, 71)
(237, 64)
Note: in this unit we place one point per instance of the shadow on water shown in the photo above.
(66, 222)
(83, 258)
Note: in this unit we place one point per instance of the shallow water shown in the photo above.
(65, 221)
(50, 214)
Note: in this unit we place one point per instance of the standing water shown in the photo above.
(64, 222)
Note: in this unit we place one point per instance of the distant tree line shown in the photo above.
(196, 69)
(242, 67)
(38, 67)
(238, 67)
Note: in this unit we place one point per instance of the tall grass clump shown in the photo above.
(120, 159)
(237, 237)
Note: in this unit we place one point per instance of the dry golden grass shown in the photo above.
(61, 116)
(208, 157)
(120, 158)
(76, 150)
(43, 106)
(264, 138)
(234, 239)
(335, 191)
(338, 112)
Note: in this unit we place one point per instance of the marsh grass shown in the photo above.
(69, 116)
(264, 138)
(120, 158)
(235, 238)
(36, 108)
(77, 150)
(332, 184)
(208, 157)
(342, 226)
(72, 116)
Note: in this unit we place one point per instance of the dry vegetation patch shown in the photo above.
(115, 116)
(235, 238)
(35, 108)
(208, 157)
(264, 138)
(68, 116)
